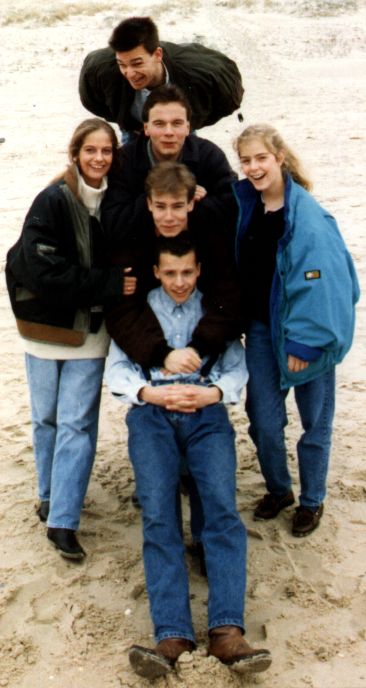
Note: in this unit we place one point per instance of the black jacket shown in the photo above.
(124, 211)
(210, 80)
(59, 265)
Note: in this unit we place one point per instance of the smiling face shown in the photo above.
(95, 157)
(178, 275)
(167, 128)
(140, 68)
(260, 166)
(170, 212)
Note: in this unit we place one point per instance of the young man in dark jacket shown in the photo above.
(170, 189)
(167, 118)
(115, 81)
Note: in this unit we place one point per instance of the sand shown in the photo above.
(69, 626)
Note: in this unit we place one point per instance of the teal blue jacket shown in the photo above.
(314, 288)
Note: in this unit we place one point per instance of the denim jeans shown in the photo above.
(65, 400)
(266, 409)
(157, 438)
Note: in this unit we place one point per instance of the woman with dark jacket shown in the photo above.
(59, 280)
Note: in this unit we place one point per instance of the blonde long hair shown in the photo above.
(275, 144)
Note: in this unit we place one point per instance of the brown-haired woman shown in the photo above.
(59, 280)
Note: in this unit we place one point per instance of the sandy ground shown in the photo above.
(69, 626)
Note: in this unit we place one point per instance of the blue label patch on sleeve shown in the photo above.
(312, 274)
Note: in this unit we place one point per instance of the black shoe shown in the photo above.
(270, 506)
(42, 511)
(306, 520)
(66, 541)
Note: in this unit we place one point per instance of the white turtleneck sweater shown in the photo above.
(95, 345)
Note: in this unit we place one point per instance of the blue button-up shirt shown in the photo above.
(229, 373)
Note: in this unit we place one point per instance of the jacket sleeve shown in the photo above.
(137, 331)
(319, 289)
(222, 321)
(46, 260)
(216, 176)
(95, 70)
(210, 79)
(125, 215)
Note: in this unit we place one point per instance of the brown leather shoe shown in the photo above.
(228, 645)
(306, 520)
(270, 505)
(152, 663)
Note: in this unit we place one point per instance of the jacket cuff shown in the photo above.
(302, 351)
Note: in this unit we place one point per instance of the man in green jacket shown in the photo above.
(115, 82)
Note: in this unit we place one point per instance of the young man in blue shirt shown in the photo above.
(171, 415)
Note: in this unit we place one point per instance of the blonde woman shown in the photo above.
(299, 287)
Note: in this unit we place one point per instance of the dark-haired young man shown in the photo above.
(167, 119)
(114, 82)
(171, 415)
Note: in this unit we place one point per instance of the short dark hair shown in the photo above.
(163, 95)
(170, 178)
(178, 246)
(130, 33)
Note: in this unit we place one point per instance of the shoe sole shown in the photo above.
(78, 556)
(148, 664)
(301, 534)
(255, 664)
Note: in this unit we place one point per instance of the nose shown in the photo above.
(128, 72)
(168, 129)
(252, 165)
(179, 281)
(168, 214)
(98, 154)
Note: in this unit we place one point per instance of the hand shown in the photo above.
(190, 398)
(295, 365)
(184, 360)
(181, 398)
(199, 193)
(129, 283)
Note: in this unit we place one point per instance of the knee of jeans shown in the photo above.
(266, 429)
(157, 508)
(218, 498)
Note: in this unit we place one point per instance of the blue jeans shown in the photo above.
(266, 409)
(157, 438)
(65, 400)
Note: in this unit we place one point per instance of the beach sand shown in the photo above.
(70, 626)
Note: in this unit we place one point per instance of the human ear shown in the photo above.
(280, 157)
(156, 271)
